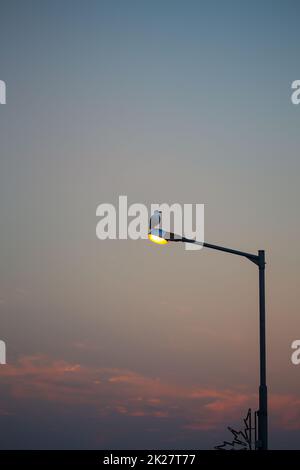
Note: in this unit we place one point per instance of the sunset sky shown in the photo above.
(121, 343)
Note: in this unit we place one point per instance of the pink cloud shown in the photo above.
(286, 411)
(125, 392)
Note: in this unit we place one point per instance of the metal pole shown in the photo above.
(263, 398)
(259, 260)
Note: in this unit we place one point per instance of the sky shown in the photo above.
(121, 344)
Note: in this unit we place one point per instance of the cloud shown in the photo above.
(127, 393)
(286, 411)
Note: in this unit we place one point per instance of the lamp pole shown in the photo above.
(263, 393)
(259, 260)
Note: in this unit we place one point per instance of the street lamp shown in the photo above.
(161, 237)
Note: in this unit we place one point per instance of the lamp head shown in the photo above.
(157, 235)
